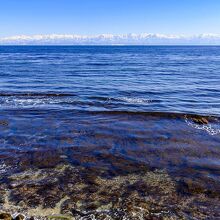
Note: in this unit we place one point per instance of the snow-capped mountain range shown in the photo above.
(110, 39)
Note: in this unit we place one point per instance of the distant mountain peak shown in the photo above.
(111, 39)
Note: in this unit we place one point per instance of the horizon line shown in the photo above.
(110, 45)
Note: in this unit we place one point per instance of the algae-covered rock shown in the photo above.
(3, 123)
(19, 217)
(60, 217)
(5, 216)
(69, 192)
(200, 120)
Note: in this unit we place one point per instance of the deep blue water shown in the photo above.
(180, 79)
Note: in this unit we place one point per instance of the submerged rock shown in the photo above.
(75, 192)
(19, 217)
(200, 120)
(3, 122)
(5, 216)
(59, 217)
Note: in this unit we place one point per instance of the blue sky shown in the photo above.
(109, 16)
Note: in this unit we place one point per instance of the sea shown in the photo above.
(112, 111)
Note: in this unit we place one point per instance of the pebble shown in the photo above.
(3, 122)
(5, 216)
(59, 217)
(19, 217)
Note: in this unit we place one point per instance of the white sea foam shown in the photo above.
(27, 102)
(134, 100)
(212, 129)
(2, 168)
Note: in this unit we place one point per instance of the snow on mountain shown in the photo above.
(110, 39)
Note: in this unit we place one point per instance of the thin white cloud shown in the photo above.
(110, 39)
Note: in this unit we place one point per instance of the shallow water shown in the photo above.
(111, 112)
